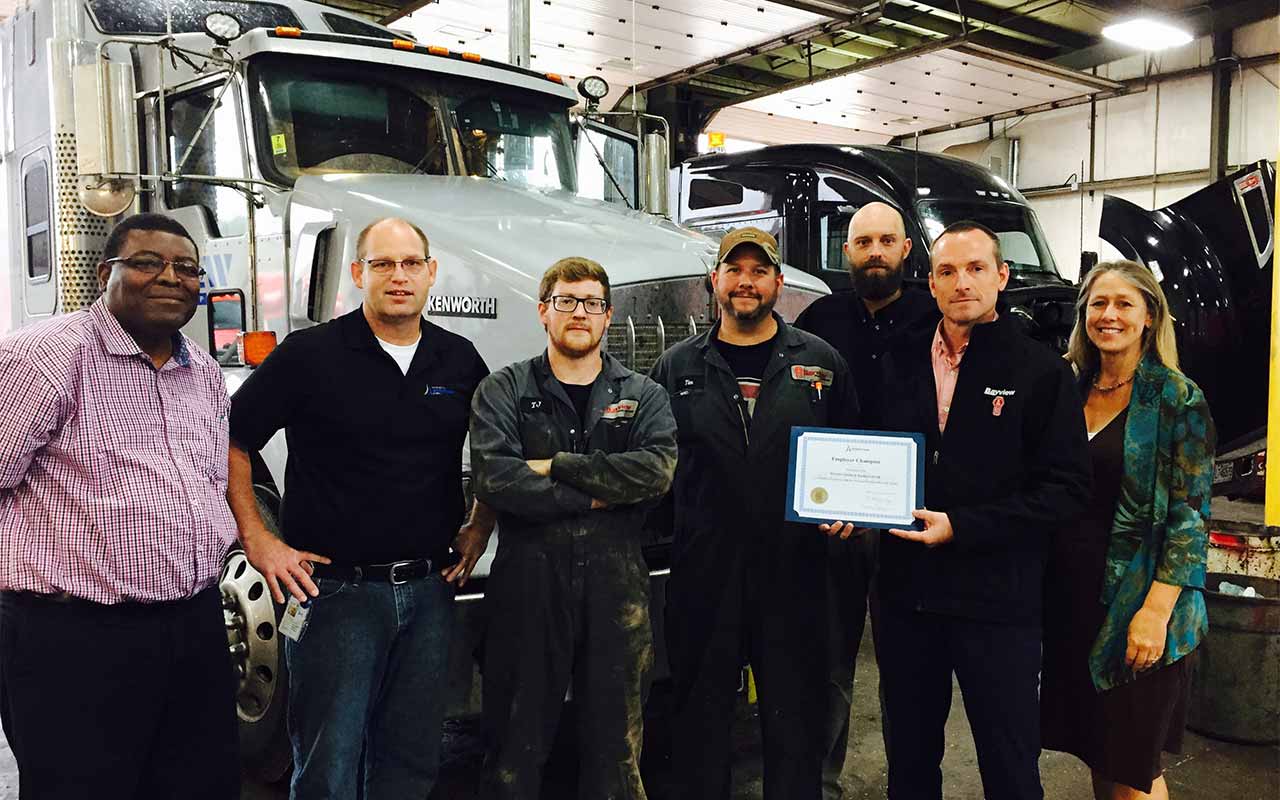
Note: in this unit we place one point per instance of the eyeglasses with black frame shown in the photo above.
(567, 304)
(151, 264)
(386, 266)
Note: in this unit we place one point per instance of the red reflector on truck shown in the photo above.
(1226, 540)
(255, 346)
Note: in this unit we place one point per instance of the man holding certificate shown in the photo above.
(1005, 464)
(746, 585)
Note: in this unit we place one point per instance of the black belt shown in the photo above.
(37, 600)
(395, 573)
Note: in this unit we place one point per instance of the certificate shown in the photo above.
(872, 479)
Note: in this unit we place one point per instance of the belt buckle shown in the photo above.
(391, 575)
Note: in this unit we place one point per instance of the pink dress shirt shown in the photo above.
(946, 368)
(113, 474)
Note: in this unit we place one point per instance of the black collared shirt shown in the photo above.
(863, 338)
(375, 456)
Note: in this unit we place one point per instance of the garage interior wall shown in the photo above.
(1161, 131)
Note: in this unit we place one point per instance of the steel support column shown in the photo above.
(1220, 104)
(519, 37)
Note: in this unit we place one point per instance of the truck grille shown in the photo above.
(649, 341)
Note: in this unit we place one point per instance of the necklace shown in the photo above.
(1113, 386)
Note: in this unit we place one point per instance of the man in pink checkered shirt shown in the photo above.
(114, 674)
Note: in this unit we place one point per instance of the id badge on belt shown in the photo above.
(294, 620)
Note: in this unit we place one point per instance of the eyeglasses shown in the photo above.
(567, 305)
(184, 268)
(386, 266)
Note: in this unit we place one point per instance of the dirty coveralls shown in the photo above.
(568, 592)
(745, 585)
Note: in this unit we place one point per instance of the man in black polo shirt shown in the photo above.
(375, 407)
(862, 324)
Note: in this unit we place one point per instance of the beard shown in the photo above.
(876, 285)
(762, 310)
(575, 348)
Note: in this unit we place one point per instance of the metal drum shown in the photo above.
(1235, 684)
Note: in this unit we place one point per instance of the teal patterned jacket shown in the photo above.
(1160, 530)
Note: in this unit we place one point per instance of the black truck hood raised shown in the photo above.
(1213, 254)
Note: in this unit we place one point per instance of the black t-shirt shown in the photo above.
(375, 456)
(748, 362)
(864, 338)
(579, 395)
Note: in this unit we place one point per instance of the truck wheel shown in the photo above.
(257, 654)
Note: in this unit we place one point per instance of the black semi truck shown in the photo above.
(805, 194)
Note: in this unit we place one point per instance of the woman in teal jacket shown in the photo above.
(1123, 604)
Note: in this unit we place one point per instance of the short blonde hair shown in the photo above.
(572, 270)
(1083, 353)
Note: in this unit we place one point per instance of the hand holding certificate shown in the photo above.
(871, 479)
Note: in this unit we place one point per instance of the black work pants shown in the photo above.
(560, 614)
(850, 577)
(998, 668)
(772, 614)
(129, 701)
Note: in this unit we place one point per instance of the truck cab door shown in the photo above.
(608, 162)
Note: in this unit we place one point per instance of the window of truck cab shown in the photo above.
(218, 151)
(319, 116)
(512, 134)
(314, 116)
(148, 16)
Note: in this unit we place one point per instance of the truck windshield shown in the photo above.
(1021, 241)
(516, 136)
(324, 116)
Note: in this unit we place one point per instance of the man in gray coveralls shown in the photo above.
(569, 448)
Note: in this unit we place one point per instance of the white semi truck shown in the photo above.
(275, 131)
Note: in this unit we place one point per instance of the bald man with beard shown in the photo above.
(863, 324)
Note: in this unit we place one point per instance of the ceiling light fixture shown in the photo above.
(1147, 33)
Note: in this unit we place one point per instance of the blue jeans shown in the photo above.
(367, 677)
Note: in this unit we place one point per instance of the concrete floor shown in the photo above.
(1208, 770)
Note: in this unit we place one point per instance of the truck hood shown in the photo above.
(1213, 254)
(520, 231)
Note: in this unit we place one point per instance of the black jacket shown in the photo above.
(732, 472)
(1012, 466)
(864, 338)
(624, 456)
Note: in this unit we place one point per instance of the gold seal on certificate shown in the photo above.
(873, 479)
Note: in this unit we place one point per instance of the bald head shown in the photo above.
(876, 218)
(876, 249)
(390, 223)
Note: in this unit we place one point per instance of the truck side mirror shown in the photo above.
(106, 131)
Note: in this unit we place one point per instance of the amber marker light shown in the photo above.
(402, 44)
(255, 346)
(437, 50)
(285, 30)
(472, 57)
(551, 76)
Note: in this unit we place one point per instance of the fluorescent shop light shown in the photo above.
(1147, 34)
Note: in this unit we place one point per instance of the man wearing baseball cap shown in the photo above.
(745, 585)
